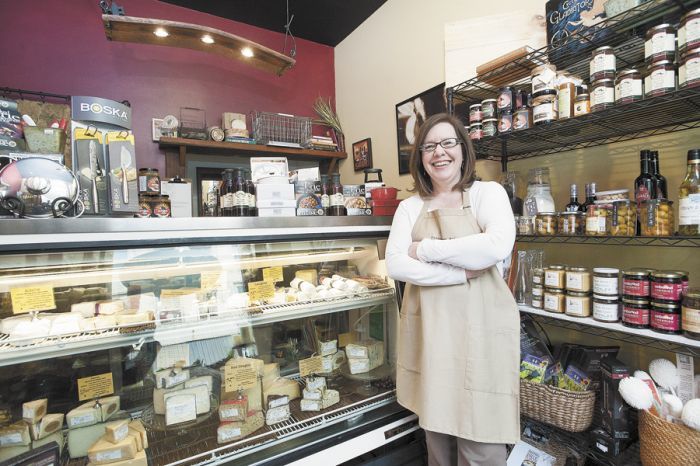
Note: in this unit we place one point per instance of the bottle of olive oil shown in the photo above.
(689, 197)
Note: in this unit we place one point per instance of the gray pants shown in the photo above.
(447, 450)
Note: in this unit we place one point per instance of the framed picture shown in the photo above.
(156, 126)
(362, 154)
(410, 115)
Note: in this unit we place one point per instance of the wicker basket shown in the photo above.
(571, 411)
(663, 443)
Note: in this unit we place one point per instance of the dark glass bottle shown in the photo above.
(644, 184)
(227, 193)
(661, 186)
(326, 192)
(337, 204)
(573, 205)
(250, 190)
(590, 197)
(240, 202)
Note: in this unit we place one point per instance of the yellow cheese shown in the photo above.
(137, 426)
(116, 431)
(180, 408)
(109, 405)
(139, 460)
(81, 439)
(201, 393)
(230, 431)
(15, 435)
(48, 425)
(33, 411)
(282, 386)
(55, 437)
(271, 372)
(159, 398)
(104, 452)
(137, 438)
(253, 393)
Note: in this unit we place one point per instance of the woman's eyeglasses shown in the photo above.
(448, 143)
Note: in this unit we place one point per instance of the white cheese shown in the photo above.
(313, 394)
(365, 349)
(109, 308)
(180, 408)
(33, 411)
(277, 415)
(81, 439)
(330, 398)
(329, 347)
(83, 416)
(274, 401)
(159, 398)
(315, 383)
(86, 309)
(168, 378)
(201, 394)
(172, 356)
(230, 431)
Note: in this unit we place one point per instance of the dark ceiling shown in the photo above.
(324, 21)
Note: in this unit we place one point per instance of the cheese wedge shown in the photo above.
(55, 437)
(108, 407)
(159, 398)
(203, 400)
(282, 386)
(137, 438)
(81, 439)
(329, 347)
(274, 401)
(233, 410)
(205, 380)
(105, 452)
(271, 372)
(230, 431)
(332, 362)
(15, 435)
(276, 415)
(116, 431)
(330, 398)
(84, 415)
(372, 349)
(180, 408)
(137, 426)
(48, 425)
(315, 383)
(168, 378)
(139, 460)
(313, 394)
(33, 411)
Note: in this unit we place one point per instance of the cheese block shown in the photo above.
(7, 453)
(233, 410)
(116, 431)
(84, 415)
(139, 460)
(253, 394)
(230, 431)
(33, 411)
(137, 426)
(48, 425)
(206, 380)
(142, 302)
(8, 324)
(274, 401)
(330, 398)
(180, 408)
(172, 356)
(168, 378)
(201, 394)
(313, 394)
(81, 439)
(15, 435)
(277, 415)
(55, 437)
(30, 331)
(315, 383)
(159, 398)
(105, 452)
(86, 309)
(109, 308)
(271, 372)
(332, 362)
(134, 319)
(372, 349)
(100, 322)
(108, 406)
(329, 347)
(66, 323)
(282, 386)
(137, 438)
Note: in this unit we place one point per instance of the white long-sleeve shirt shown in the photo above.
(442, 262)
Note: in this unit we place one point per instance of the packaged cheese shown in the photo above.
(330, 398)
(313, 394)
(201, 394)
(180, 408)
(315, 383)
(84, 415)
(277, 415)
(274, 401)
(234, 410)
(329, 347)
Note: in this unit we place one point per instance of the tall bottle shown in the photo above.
(689, 197)
(227, 193)
(325, 194)
(337, 204)
(661, 186)
(645, 183)
(573, 205)
(590, 197)
(250, 191)
(240, 203)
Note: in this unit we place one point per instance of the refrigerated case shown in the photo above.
(158, 304)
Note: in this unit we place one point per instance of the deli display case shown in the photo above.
(196, 341)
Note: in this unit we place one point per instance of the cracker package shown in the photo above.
(533, 368)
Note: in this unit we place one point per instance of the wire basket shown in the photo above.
(281, 129)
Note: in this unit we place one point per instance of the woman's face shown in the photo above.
(443, 166)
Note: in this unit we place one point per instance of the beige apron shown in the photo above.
(459, 346)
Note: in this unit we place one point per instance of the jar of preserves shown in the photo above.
(537, 296)
(544, 113)
(666, 317)
(598, 218)
(505, 122)
(606, 308)
(690, 314)
(522, 118)
(689, 197)
(475, 113)
(506, 99)
(554, 300)
(578, 304)
(636, 283)
(684, 278)
(566, 93)
(623, 221)
(656, 217)
(602, 94)
(476, 131)
(660, 78)
(689, 31)
(582, 104)
(635, 312)
(149, 181)
(145, 208)
(628, 86)
(578, 279)
(572, 223)
(555, 276)
(546, 223)
(666, 286)
(544, 78)
(161, 206)
(606, 281)
(526, 225)
(603, 63)
(689, 69)
(489, 127)
(488, 108)
(538, 277)
(660, 43)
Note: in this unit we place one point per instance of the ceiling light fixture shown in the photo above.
(160, 32)
(247, 52)
(207, 39)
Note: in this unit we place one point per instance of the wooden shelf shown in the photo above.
(175, 163)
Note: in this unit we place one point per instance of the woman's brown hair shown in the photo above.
(421, 180)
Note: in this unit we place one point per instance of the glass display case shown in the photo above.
(193, 341)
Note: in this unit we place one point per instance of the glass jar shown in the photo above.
(537, 296)
(522, 118)
(689, 30)
(660, 43)
(544, 113)
(606, 281)
(490, 127)
(636, 282)
(689, 69)
(554, 300)
(623, 221)
(635, 312)
(539, 193)
(684, 278)
(145, 208)
(149, 182)
(689, 197)
(538, 277)
(690, 314)
(526, 225)
(666, 286)
(628, 86)
(505, 122)
(566, 93)
(603, 63)
(578, 279)
(475, 113)
(476, 131)
(602, 94)
(161, 206)
(582, 104)
(506, 99)
(488, 108)
(555, 276)
(665, 317)
(544, 77)
(578, 304)
(606, 308)
(660, 78)
(656, 217)
(546, 223)
(572, 223)
(598, 218)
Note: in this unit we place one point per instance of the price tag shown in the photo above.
(33, 298)
(312, 365)
(209, 280)
(261, 291)
(95, 386)
(239, 376)
(273, 274)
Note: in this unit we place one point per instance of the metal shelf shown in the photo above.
(617, 331)
(16, 351)
(662, 241)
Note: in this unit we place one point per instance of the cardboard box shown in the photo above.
(355, 201)
(616, 415)
(263, 167)
(277, 212)
(308, 195)
(265, 192)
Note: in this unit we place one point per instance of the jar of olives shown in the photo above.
(546, 223)
(572, 223)
(656, 217)
(598, 218)
(623, 221)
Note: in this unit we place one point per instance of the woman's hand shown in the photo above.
(413, 250)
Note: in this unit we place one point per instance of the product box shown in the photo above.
(305, 174)
(89, 166)
(308, 195)
(355, 200)
(611, 447)
(10, 127)
(277, 212)
(263, 167)
(274, 191)
(123, 176)
(276, 203)
(564, 20)
(616, 415)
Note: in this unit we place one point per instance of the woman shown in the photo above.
(458, 351)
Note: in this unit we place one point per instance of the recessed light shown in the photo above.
(160, 32)
(247, 52)
(207, 39)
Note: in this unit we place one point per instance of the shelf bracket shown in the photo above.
(504, 156)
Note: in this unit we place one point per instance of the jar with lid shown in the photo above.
(538, 277)
(572, 223)
(337, 201)
(489, 127)
(505, 122)
(545, 107)
(666, 286)
(656, 217)
(578, 279)
(628, 86)
(689, 197)
(506, 99)
(689, 69)
(476, 131)
(475, 113)
(488, 108)
(522, 118)
(544, 78)
(660, 43)
(578, 304)
(145, 208)
(554, 300)
(690, 318)
(635, 312)
(526, 225)
(566, 93)
(161, 206)
(539, 192)
(603, 63)
(546, 223)
(603, 94)
(537, 296)
(555, 276)
(666, 317)
(660, 78)
(606, 308)
(636, 283)
(689, 30)
(606, 281)
(623, 220)
(149, 181)
(684, 278)
(598, 218)
(582, 104)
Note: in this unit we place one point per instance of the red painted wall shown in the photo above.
(59, 46)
